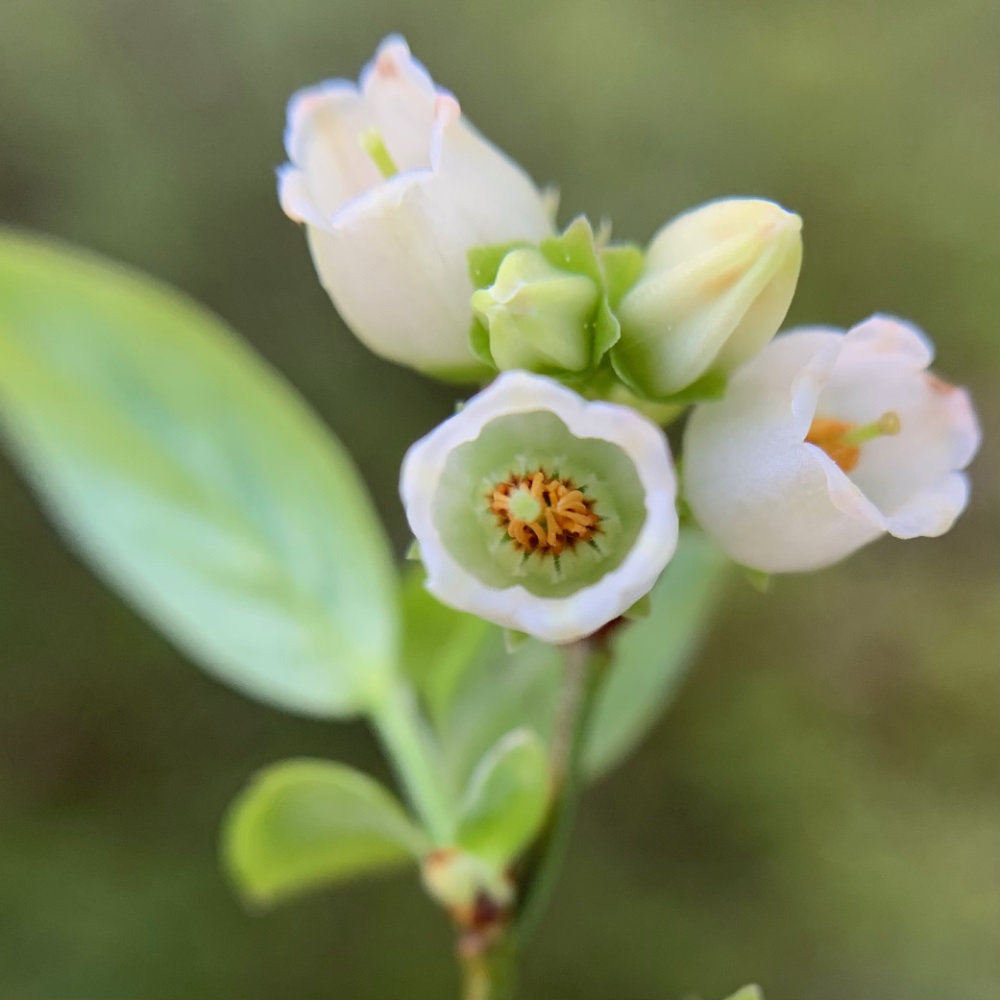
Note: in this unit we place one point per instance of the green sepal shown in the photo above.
(514, 640)
(576, 250)
(484, 262)
(711, 386)
(412, 553)
(479, 342)
(507, 798)
(622, 267)
(640, 610)
(760, 581)
(305, 824)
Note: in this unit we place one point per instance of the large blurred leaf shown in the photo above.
(194, 480)
(303, 824)
(507, 798)
(651, 655)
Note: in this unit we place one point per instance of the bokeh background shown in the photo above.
(819, 809)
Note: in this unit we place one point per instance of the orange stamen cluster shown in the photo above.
(828, 434)
(842, 440)
(566, 516)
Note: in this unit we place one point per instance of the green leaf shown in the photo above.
(439, 645)
(195, 481)
(496, 693)
(304, 824)
(507, 798)
(651, 655)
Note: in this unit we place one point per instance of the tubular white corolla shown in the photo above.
(825, 441)
(541, 511)
(395, 187)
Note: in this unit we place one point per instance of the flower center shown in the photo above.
(842, 440)
(543, 514)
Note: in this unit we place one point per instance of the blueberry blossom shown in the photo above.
(540, 511)
(395, 187)
(824, 442)
(715, 287)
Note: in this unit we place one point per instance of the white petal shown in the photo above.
(322, 139)
(556, 620)
(881, 368)
(395, 260)
(400, 97)
(771, 509)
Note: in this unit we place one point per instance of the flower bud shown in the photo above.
(547, 309)
(538, 317)
(540, 511)
(473, 892)
(395, 187)
(715, 287)
(825, 441)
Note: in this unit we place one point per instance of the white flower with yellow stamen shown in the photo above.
(825, 441)
(395, 187)
(541, 511)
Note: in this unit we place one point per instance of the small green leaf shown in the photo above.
(304, 824)
(507, 798)
(650, 656)
(195, 481)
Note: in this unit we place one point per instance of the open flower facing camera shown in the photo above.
(547, 505)
(540, 511)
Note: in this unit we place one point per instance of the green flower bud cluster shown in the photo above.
(664, 326)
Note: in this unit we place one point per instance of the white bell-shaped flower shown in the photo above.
(541, 511)
(825, 441)
(395, 187)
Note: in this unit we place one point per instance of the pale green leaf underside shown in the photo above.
(194, 480)
(306, 824)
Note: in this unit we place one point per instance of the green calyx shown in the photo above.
(549, 308)
(589, 499)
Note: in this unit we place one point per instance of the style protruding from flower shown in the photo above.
(395, 187)
(541, 511)
(824, 442)
(714, 290)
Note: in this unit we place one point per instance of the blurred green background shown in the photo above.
(819, 810)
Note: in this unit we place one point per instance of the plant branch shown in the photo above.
(585, 662)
